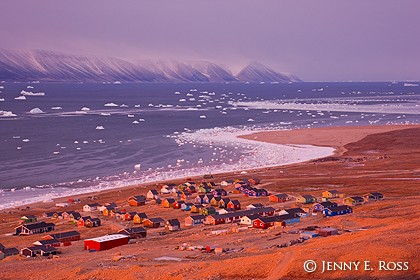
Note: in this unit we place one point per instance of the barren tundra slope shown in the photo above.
(385, 160)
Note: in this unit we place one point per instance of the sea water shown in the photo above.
(81, 137)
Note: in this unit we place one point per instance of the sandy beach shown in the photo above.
(383, 159)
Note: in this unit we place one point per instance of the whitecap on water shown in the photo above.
(85, 109)
(202, 117)
(111, 105)
(22, 97)
(56, 108)
(100, 127)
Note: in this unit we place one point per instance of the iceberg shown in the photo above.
(7, 114)
(135, 122)
(36, 111)
(22, 97)
(100, 127)
(111, 105)
(30, 93)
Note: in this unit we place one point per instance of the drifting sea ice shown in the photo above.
(22, 97)
(36, 111)
(7, 114)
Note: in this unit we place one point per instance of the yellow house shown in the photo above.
(332, 194)
(353, 200)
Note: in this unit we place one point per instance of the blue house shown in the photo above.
(288, 219)
(319, 207)
(186, 206)
(338, 210)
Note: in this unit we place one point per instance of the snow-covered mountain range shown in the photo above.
(44, 65)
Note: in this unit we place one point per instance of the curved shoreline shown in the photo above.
(321, 137)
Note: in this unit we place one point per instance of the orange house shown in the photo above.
(139, 218)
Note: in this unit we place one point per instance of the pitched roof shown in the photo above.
(156, 220)
(376, 194)
(10, 251)
(235, 202)
(327, 203)
(243, 213)
(294, 210)
(281, 218)
(64, 234)
(253, 216)
(334, 191)
(174, 222)
(38, 225)
(47, 242)
(133, 230)
(138, 197)
(108, 237)
(281, 195)
(141, 215)
(154, 192)
(197, 217)
(271, 219)
(339, 208)
(257, 205)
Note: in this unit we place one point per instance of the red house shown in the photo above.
(264, 222)
(177, 204)
(105, 242)
(234, 204)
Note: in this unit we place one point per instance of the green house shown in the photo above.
(208, 211)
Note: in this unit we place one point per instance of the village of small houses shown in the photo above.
(205, 218)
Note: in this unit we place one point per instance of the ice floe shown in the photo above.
(36, 111)
(7, 114)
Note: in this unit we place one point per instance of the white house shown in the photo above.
(152, 194)
(248, 219)
(90, 207)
